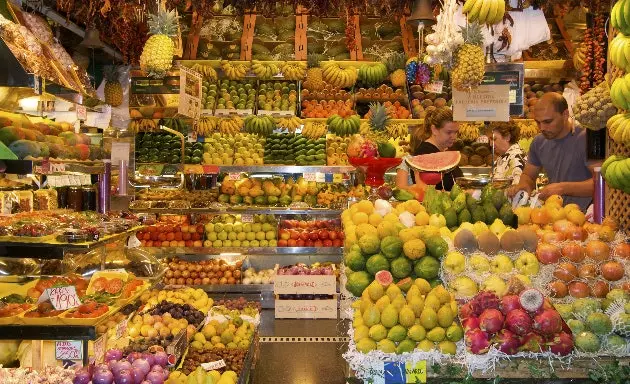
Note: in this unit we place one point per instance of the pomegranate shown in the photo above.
(600, 289)
(576, 233)
(507, 342)
(548, 322)
(562, 344)
(563, 225)
(510, 303)
(587, 270)
(519, 322)
(491, 321)
(597, 250)
(549, 237)
(574, 252)
(548, 253)
(579, 289)
(470, 323)
(558, 289)
(477, 341)
(565, 272)
(531, 342)
(612, 270)
(622, 250)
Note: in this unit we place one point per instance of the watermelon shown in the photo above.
(431, 178)
(435, 162)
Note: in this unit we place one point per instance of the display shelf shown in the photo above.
(56, 250)
(287, 169)
(223, 251)
(46, 167)
(247, 210)
(228, 288)
(476, 170)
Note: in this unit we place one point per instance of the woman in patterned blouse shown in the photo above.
(510, 158)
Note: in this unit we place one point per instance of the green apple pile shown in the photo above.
(277, 96)
(230, 231)
(403, 317)
(593, 330)
(208, 94)
(236, 94)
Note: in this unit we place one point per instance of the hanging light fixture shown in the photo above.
(422, 13)
(92, 39)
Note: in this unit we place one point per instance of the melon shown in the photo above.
(435, 162)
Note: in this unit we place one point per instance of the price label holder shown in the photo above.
(57, 167)
(320, 177)
(81, 112)
(337, 178)
(405, 373)
(483, 139)
(213, 365)
(121, 328)
(191, 137)
(68, 350)
(234, 176)
(61, 298)
(310, 176)
(99, 348)
(247, 218)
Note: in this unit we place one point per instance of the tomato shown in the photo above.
(114, 286)
(100, 284)
(34, 293)
(87, 307)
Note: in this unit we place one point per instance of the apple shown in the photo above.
(565, 272)
(328, 243)
(184, 228)
(323, 234)
(337, 243)
(558, 289)
(479, 263)
(573, 251)
(501, 264)
(494, 284)
(612, 270)
(189, 243)
(302, 236)
(308, 243)
(299, 243)
(576, 233)
(291, 242)
(527, 264)
(548, 253)
(463, 286)
(579, 289)
(600, 288)
(587, 271)
(296, 235)
(282, 243)
(454, 263)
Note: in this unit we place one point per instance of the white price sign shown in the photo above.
(99, 349)
(121, 328)
(81, 112)
(213, 365)
(434, 87)
(310, 176)
(61, 298)
(234, 176)
(247, 218)
(68, 350)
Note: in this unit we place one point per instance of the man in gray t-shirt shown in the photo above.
(560, 149)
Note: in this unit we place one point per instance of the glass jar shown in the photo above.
(89, 198)
(75, 198)
(62, 197)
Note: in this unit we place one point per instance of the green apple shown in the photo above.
(264, 243)
(527, 264)
(254, 243)
(494, 284)
(247, 227)
(245, 243)
(236, 243)
(217, 243)
(501, 264)
(479, 263)
(454, 262)
(463, 286)
(209, 227)
(218, 227)
(250, 236)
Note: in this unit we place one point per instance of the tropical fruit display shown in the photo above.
(619, 128)
(524, 321)
(235, 70)
(314, 129)
(372, 74)
(618, 19)
(230, 231)
(269, 191)
(381, 93)
(266, 70)
(469, 65)
(261, 125)
(310, 233)
(323, 92)
(205, 272)
(236, 95)
(338, 76)
(277, 96)
(159, 49)
(242, 149)
(276, 29)
(534, 91)
(336, 150)
(484, 11)
(209, 94)
(395, 110)
(343, 126)
(406, 316)
(294, 149)
(159, 148)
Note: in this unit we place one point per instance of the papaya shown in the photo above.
(25, 148)
(33, 135)
(69, 137)
(82, 151)
(10, 134)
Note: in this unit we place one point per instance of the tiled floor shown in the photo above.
(300, 362)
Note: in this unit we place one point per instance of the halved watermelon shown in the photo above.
(435, 162)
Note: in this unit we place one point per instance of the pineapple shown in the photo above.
(395, 61)
(378, 117)
(469, 59)
(398, 78)
(113, 89)
(158, 51)
(314, 79)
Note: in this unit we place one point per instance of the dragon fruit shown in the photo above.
(532, 342)
(465, 311)
(562, 344)
(507, 342)
(369, 149)
(477, 341)
(548, 322)
(491, 320)
(470, 323)
(519, 322)
(484, 300)
(510, 303)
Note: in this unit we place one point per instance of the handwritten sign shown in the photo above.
(61, 298)
(337, 178)
(121, 329)
(483, 139)
(486, 102)
(434, 87)
(234, 176)
(189, 93)
(405, 372)
(304, 284)
(310, 176)
(213, 365)
(247, 218)
(306, 309)
(99, 349)
(68, 350)
(81, 112)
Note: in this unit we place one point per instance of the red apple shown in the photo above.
(576, 233)
(200, 228)
(303, 236)
(332, 235)
(303, 224)
(573, 251)
(337, 243)
(300, 243)
(285, 224)
(282, 243)
(323, 234)
(197, 243)
(313, 236)
(189, 243)
(597, 250)
(291, 242)
(612, 270)
(579, 289)
(186, 236)
(195, 236)
(327, 243)
(600, 288)
(296, 235)
(318, 243)
(547, 253)
(284, 234)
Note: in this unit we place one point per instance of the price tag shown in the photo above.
(53, 181)
(37, 85)
(68, 350)
(121, 329)
(86, 179)
(247, 218)
(337, 177)
(61, 298)
(57, 167)
(320, 177)
(434, 87)
(192, 137)
(77, 180)
(213, 365)
(311, 176)
(405, 373)
(64, 180)
(234, 176)
(99, 349)
(483, 139)
(81, 112)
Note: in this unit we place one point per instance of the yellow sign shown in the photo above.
(337, 177)
(416, 373)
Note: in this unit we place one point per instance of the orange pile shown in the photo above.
(325, 108)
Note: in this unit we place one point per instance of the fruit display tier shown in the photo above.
(202, 252)
(40, 166)
(248, 210)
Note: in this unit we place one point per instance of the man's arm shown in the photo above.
(570, 188)
(527, 182)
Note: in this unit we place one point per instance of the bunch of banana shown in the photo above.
(290, 123)
(616, 172)
(206, 71)
(579, 58)
(620, 92)
(294, 70)
(337, 76)
(261, 125)
(527, 128)
(207, 125)
(142, 125)
(469, 131)
(230, 125)
(365, 128)
(396, 130)
(266, 70)
(314, 129)
(484, 11)
(344, 126)
(619, 128)
(372, 74)
(620, 16)
(235, 71)
(619, 51)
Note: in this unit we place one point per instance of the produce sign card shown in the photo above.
(213, 365)
(485, 103)
(405, 373)
(306, 309)
(189, 93)
(99, 348)
(304, 284)
(68, 350)
(61, 298)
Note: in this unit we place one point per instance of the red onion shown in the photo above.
(161, 358)
(102, 377)
(155, 378)
(149, 357)
(143, 364)
(111, 364)
(138, 375)
(101, 367)
(113, 354)
(121, 365)
(81, 376)
(124, 377)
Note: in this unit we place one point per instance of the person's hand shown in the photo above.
(551, 189)
(513, 190)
